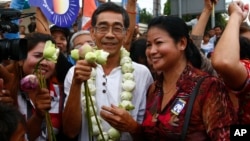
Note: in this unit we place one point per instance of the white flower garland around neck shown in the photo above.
(128, 85)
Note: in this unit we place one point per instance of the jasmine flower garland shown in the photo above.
(89, 91)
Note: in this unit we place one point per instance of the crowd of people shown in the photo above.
(182, 85)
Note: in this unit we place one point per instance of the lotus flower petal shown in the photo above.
(29, 83)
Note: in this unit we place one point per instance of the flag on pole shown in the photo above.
(89, 7)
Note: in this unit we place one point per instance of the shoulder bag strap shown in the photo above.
(190, 107)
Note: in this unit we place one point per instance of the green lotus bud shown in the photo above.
(101, 56)
(125, 59)
(127, 68)
(127, 76)
(124, 52)
(93, 120)
(91, 112)
(92, 88)
(75, 54)
(126, 96)
(50, 51)
(114, 134)
(90, 57)
(84, 49)
(96, 130)
(106, 137)
(93, 73)
(128, 85)
(127, 105)
(90, 81)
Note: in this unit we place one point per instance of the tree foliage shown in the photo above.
(145, 16)
(219, 19)
(167, 8)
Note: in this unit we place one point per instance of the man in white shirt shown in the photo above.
(193, 22)
(109, 29)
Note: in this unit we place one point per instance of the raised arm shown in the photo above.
(131, 9)
(198, 31)
(72, 114)
(199, 28)
(226, 57)
(42, 24)
(72, 120)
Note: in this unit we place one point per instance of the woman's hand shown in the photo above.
(42, 102)
(209, 4)
(238, 8)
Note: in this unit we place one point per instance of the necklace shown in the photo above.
(128, 86)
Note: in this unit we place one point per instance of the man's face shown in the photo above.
(218, 31)
(109, 32)
(82, 39)
(211, 32)
(22, 29)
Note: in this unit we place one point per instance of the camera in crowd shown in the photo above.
(14, 49)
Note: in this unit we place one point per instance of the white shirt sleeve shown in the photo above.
(67, 83)
(143, 80)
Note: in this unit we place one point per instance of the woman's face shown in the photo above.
(61, 41)
(46, 67)
(162, 51)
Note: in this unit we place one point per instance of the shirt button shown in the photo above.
(104, 91)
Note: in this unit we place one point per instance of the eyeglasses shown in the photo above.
(116, 30)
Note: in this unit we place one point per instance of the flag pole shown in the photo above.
(213, 17)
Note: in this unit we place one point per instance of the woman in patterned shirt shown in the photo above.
(173, 53)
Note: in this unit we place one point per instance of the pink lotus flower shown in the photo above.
(29, 83)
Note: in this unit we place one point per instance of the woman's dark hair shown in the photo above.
(244, 48)
(35, 37)
(9, 119)
(177, 29)
(244, 27)
(137, 51)
(110, 6)
(62, 67)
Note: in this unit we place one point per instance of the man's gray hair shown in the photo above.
(78, 33)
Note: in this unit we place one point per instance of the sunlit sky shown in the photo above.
(148, 4)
